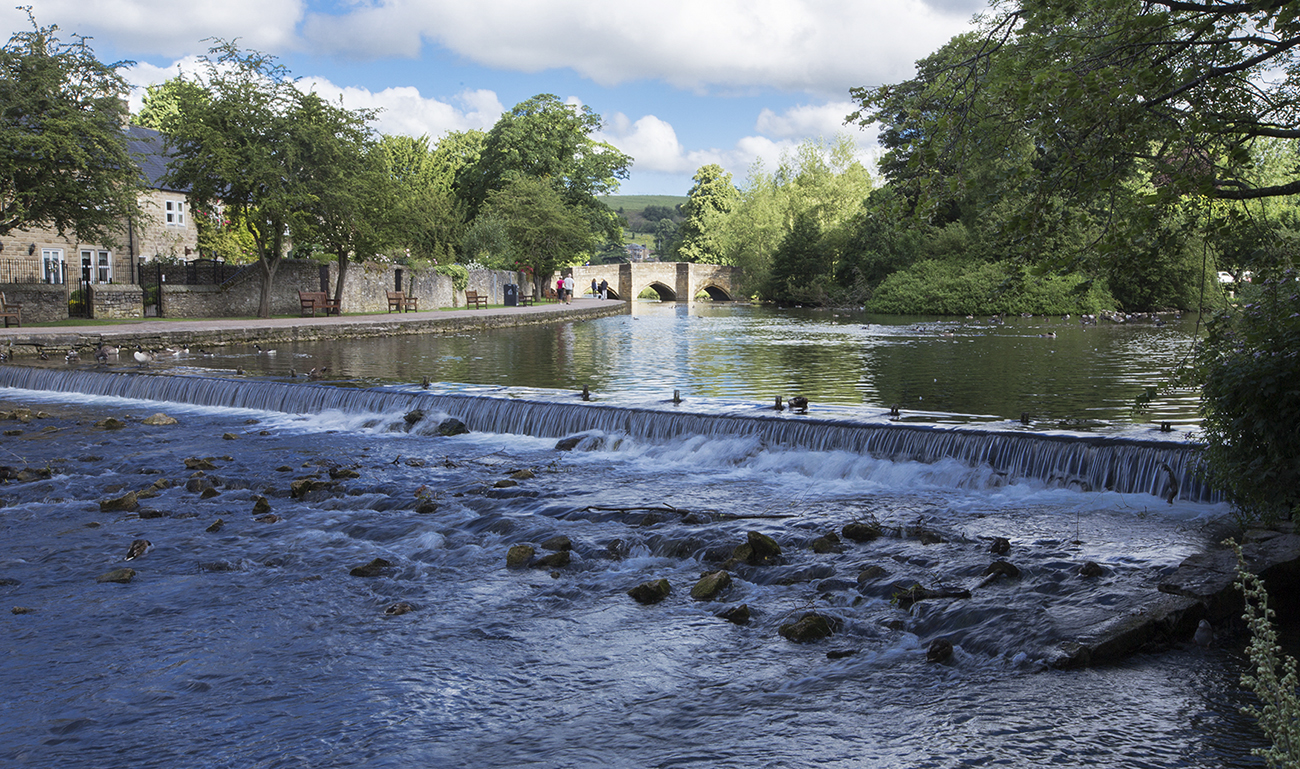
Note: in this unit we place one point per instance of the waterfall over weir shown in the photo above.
(1089, 463)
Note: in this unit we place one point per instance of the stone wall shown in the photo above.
(116, 301)
(42, 302)
(365, 290)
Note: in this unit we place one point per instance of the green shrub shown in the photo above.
(1249, 367)
(934, 287)
(457, 272)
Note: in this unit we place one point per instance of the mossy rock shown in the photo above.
(861, 532)
(451, 426)
(737, 615)
(711, 585)
(554, 560)
(809, 628)
(651, 592)
(160, 419)
(261, 506)
(558, 542)
(304, 486)
(127, 503)
(519, 556)
(827, 544)
(195, 463)
(121, 576)
(375, 568)
(111, 423)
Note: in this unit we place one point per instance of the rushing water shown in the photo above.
(253, 646)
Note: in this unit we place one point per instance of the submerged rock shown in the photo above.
(111, 423)
(304, 486)
(1091, 569)
(827, 544)
(568, 444)
(127, 503)
(1000, 546)
(261, 506)
(907, 595)
(711, 585)
(343, 473)
(160, 419)
(216, 526)
(558, 542)
(810, 627)
(859, 531)
(121, 576)
(940, 650)
(650, 592)
(871, 572)
(398, 609)
(412, 418)
(195, 463)
(523, 475)
(554, 560)
(375, 568)
(737, 615)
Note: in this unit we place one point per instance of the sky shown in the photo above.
(679, 83)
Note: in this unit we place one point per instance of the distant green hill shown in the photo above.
(635, 204)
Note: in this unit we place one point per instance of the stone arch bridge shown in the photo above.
(672, 281)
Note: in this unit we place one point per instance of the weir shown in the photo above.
(1088, 463)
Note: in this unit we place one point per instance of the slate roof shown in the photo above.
(147, 147)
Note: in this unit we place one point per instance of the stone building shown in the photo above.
(164, 229)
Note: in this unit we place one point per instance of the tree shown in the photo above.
(544, 138)
(245, 138)
(800, 263)
(708, 203)
(63, 157)
(426, 217)
(546, 232)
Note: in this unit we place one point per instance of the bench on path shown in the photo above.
(398, 300)
(314, 300)
(14, 311)
(527, 300)
(475, 299)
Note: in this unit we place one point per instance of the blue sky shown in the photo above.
(680, 83)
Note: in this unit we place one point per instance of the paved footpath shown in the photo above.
(215, 332)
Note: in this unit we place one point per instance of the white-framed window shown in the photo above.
(174, 210)
(52, 267)
(97, 264)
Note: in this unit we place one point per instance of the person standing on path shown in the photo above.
(594, 290)
(569, 284)
(604, 286)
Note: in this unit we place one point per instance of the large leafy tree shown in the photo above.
(246, 138)
(547, 139)
(427, 218)
(708, 203)
(63, 157)
(545, 231)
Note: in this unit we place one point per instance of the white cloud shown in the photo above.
(818, 46)
(171, 28)
(653, 142)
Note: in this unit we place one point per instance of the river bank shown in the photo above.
(219, 332)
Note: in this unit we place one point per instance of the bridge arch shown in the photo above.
(666, 293)
(716, 293)
(671, 281)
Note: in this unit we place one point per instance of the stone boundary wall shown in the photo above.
(42, 302)
(365, 289)
(118, 301)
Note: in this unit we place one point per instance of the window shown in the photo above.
(96, 266)
(175, 213)
(52, 266)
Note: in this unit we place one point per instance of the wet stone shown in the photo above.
(827, 544)
(195, 463)
(111, 423)
(121, 576)
(343, 473)
(22, 610)
(809, 628)
(1002, 569)
(375, 568)
(398, 609)
(711, 585)
(268, 518)
(208, 493)
(872, 572)
(127, 503)
(651, 592)
(1091, 569)
(568, 444)
(229, 437)
(940, 650)
(216, 526)
(452, 426)
(261, 506)
(553, 561)
(519, 556)
(523, 475)
(737, 615)
(1000, 546)
(861, 532)
(160, 419)
(558, 542)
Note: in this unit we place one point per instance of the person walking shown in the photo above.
(604, 286)
(559, 290)
(569, 284)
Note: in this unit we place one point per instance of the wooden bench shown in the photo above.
(11, 311)
(475, 299)
(398, 300)
(314, 300)
(527, 300)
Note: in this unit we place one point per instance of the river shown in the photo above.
(252, 645)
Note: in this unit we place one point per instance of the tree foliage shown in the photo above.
(545, 232)
(63, 157)
(546, 139)
(244, 137)
(708, 204)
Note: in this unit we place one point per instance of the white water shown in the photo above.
(254, 647)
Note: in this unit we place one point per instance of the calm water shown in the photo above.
(935, 370)
(253, 646)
